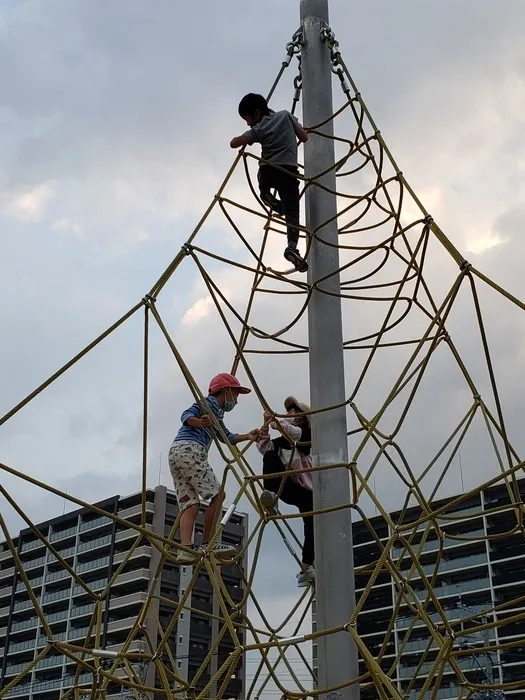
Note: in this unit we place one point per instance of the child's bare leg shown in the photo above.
(211, 516)
(187, 523)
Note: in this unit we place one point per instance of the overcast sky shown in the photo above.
(115, 120)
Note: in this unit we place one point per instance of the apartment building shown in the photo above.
(474, 575)
(94, 547)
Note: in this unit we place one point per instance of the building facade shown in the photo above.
(474, 575)
(94, 547)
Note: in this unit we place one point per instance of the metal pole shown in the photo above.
(489, 668)
(335, 586)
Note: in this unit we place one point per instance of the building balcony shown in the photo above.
(144, 551)
(64, 553)
(56, 596)
(388, 583)
(82, 610)
(5, 554)
(94, 544)
(124, 624)
(101, 562)
(94, 524)
(136, 645)
(76, 633)
(129, 533)
(34, 544)
(380, 631)
(467, 664)
(96, 585)
(23, 625)
(453, 692)
(7, 573)
(130, 576)
(510, 638)
(129, 513)
(57, 575)
(131, 599)
(204, 606)
(19, 647)
(200, 627)
(450, 614)
(6, 590)
(62, 534)
(33, 582)
(21, 605)
(510, 551)
(434, 545)
(440, 592)
(48, 662)
(364, 539)
(45, 686)
(34, 563)
(58, 616)
(447, 566)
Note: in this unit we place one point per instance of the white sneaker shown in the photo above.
(306, 577)
(221, 550)
(268, 500)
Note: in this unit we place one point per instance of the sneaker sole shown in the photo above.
(304, 584)
(297, 261)
(268, 501)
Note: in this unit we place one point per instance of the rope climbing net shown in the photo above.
(388, 249)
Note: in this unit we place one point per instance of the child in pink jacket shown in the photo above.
(281, 454)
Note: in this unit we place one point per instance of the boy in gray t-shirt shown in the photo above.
(277, 132)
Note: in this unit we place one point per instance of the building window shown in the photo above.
(231, 582)
(182, 616)
(200, 597)
(184, 569)
(181, 639)
(179, 664)
(232, 539)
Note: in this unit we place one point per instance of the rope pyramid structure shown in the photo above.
(388, 247)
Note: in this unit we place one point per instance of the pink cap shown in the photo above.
(226, 381)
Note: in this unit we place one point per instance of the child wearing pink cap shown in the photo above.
(193, 477)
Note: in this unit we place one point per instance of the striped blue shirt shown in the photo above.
(203, 436)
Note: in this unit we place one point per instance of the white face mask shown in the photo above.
(230, 404)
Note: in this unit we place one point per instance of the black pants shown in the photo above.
(294, 495)
(287, 186)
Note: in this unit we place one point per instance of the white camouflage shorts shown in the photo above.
(192, 474)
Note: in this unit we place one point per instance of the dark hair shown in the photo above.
(306, 439)
(252, 103)
(300, 420)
